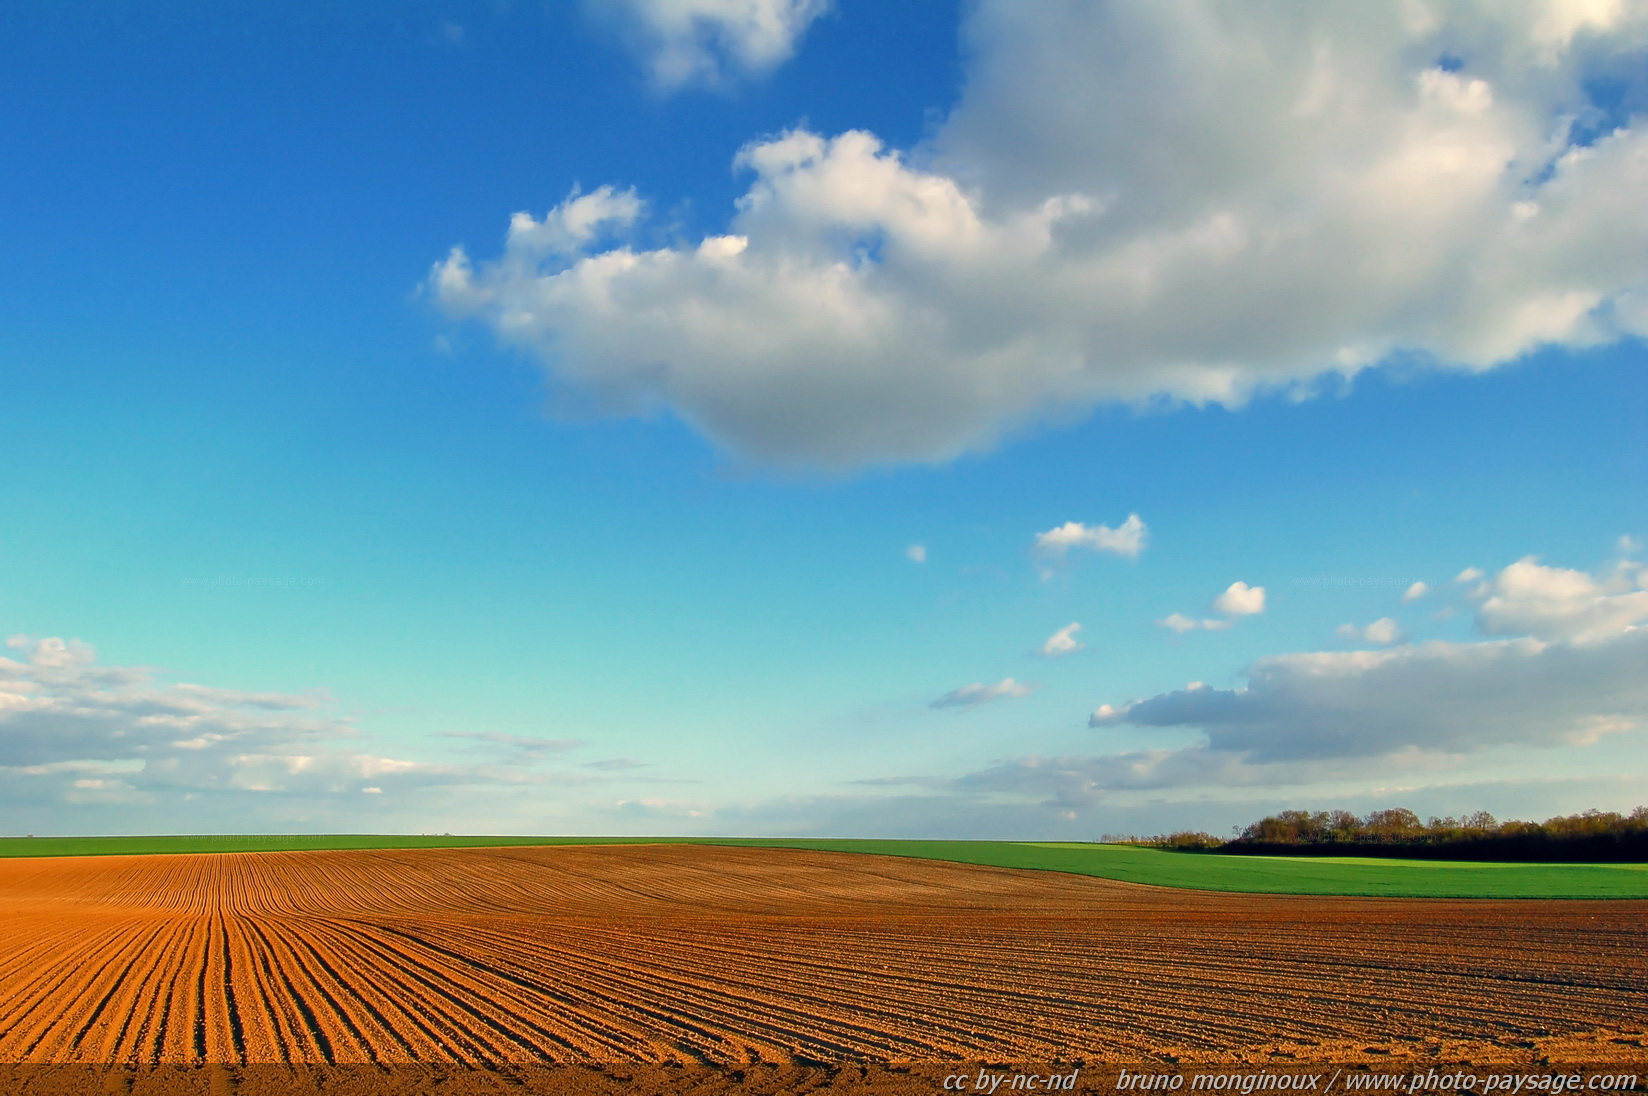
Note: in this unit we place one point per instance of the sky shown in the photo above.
(794, 417)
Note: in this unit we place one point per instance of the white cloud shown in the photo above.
(1382, 632)
(1178, 622)
(72, 727)
(1528, 598)
(1062, 642)
(573, 225)
(971, 696)
(1450, 697)
(56, 654)
(1469, 574)
(1127, 539)
(1414, 593)
(1131, 202)
(1572, 677)
(706, 42)
(1240, 599)
(916, 553)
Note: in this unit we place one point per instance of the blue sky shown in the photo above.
(604, 522)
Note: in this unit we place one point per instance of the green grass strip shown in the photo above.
(146, 846)
(1388, 878)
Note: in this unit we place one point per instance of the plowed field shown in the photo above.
(691, 954)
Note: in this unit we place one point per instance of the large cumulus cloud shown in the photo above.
(1132, 201)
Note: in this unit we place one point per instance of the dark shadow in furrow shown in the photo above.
(384, 1023)
(1385, 966)
(25, 999)
(130, 1029)
(200, 998)
(613, 1036)
(409, 1011)
(853, 985)
(180, 949)
(709, 999)
(441, 1029)
(436, 983)
(586, 1023)
(719, 987)
(132, 1016)
(148, 998)
(112, 958)
(263, 978)
(671, 1022)
(337, 1008)
(322, 1043)
(237, 1033)
(363, 943)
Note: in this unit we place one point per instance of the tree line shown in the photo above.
(1587, 836)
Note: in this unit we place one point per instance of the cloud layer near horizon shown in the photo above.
(1572, 676)
(80, 732)
(1130, 202)
(1425, 716)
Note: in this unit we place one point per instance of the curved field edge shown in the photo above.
(1349, 876)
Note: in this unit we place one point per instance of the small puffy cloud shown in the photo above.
(1178, 622)
(1062, 642)
(1628, 544)
(1127, 539)
(916, 553)
(1240, 599)
(1115, 211)
(971, 696)
(1414, 593)
(1469, 574)
(574, 224)
(1383, 632)
(707, 42)
(1528, 598)
(54, 653)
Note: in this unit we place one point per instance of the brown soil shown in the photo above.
(654, 955)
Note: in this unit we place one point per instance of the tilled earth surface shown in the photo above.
(698, 964)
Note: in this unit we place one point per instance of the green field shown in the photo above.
(1275, 874)
(1197, 871)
